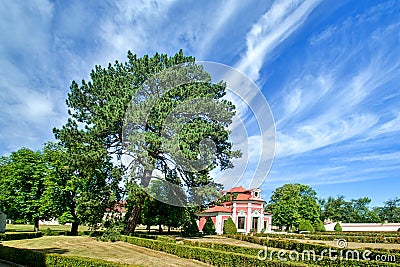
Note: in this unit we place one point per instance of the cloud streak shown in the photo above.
(282, 19)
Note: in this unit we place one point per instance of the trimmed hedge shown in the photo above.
(38, 259)
(210, 256)
(394, 234)
(18, 236)
(273, 254)
(332, 237)
(318, 249)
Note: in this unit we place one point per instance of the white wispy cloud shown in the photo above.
(282, 19)
(322, 132)
(389, 156)
(335, 104)
(391, 126)
(216, 24)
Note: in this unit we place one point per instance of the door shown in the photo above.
(255, 224)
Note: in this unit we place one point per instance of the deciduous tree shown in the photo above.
(292, 202)
(22, 177)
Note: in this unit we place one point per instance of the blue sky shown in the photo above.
(330, 71)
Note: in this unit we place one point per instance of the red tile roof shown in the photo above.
(217, 209)
(238, 189)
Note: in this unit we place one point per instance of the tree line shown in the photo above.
(292, 204)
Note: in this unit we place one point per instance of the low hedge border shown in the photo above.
(308, 258)
(39, 259)
(318, 249)
(387, 234)
(210, 256)
(349, 238)
(18, 236)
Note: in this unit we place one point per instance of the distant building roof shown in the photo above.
(238, 189)
(217, 209)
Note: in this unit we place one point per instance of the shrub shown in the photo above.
(229, 227)
(113, 233)
(305, 225)
(190, 228)
(338, 228)
(319, 227)
(209, 227)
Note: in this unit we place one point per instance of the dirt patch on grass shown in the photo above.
(89, 247)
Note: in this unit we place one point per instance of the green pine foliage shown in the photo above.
(229, 227)
(209, 227)
(338, 227)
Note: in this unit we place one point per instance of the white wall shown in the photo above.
(365, 227)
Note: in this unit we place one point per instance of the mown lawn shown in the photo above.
(89, 247)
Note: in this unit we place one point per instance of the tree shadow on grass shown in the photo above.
(51, 250)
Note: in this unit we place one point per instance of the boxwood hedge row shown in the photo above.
(18, 236)
(210, 256)
(317, 248)
(343, 259)
(349, 238)
(39, 259)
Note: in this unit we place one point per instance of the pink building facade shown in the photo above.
(245, 207)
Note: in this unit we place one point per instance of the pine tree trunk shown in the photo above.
(134, 216)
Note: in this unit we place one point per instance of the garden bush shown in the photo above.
(305, 226)
(229, 227)
(190, 228)
(319, 227)
(338, 227)
(112, 233)
(209, 227)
